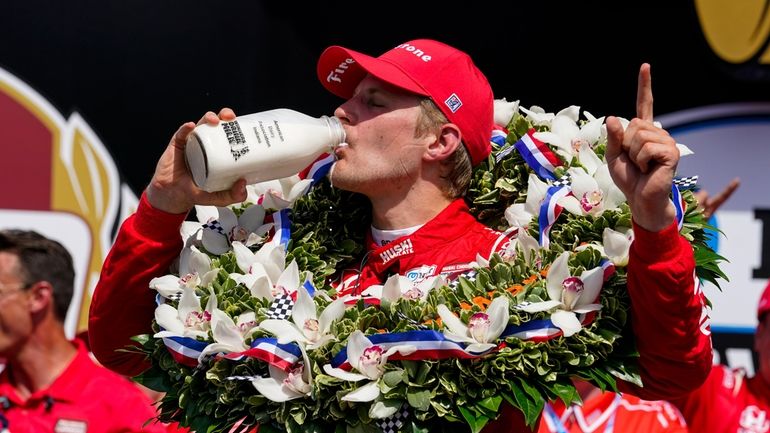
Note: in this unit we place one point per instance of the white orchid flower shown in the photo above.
(191, 233)
(401, 286)
(278, 194)
(483, 329)
(229, 336)
(224, 227)
(572, 140)
(536, 191)
(570, 295)
(504, 111)
(308, 328)
(262, 269)
(615, 245)
(188, 319)
(537, 115)
(282, 386)
(194, 270)
(520, 243)
(592, 195)
(369, 361)
(518, 215)
(287, 283)
(526, 244)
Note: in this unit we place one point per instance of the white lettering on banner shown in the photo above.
(401, 249)
(754, 420)
(333, 75)
(416, 51)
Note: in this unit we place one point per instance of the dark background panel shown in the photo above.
(135, 70)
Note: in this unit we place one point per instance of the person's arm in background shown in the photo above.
(123, 304)
(667, 307)
(710, 203)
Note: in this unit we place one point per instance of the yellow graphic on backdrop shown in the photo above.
(736, 30)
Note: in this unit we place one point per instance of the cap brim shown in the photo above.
(341, 77)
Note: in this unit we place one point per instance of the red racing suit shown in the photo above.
(609, 412)
(668, 312)
(728, 402)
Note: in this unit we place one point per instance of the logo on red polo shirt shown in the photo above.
(70, 426)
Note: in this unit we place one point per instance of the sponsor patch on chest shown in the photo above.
(419, 274)
(400, 249)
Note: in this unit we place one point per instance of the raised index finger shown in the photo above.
(644, 93)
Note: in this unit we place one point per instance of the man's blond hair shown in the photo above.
(458, 168)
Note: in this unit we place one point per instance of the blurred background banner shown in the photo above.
(90, 93)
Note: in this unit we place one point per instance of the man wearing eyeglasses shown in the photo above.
(49, 383)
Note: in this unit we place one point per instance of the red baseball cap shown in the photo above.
(425, 67)
(764, 302)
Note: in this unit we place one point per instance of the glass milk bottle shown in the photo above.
(258, 147)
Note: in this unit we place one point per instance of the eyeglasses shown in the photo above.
(21, 287)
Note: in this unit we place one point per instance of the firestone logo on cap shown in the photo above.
(416, 51)
(336, 74)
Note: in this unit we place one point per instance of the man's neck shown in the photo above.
(42, 359)
(391, 213)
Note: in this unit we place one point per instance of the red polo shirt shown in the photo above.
(85, 398)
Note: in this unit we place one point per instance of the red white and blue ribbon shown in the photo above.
(184, 350)
(550, 209)
(281, 227)
(429, 344)
(676, 198)
(281, 220)
(318, 169)
(535, 330)
(538, 155)
(282, 356)
(609, 268)
(498, 137)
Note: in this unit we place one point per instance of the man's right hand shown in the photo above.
(172, 188)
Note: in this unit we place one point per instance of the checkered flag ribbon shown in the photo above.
(565, 180)
(688, 182)
(281, 307)
(470, 276)
(215, 226)
(504, 153)
(394, 422)
(249, 378)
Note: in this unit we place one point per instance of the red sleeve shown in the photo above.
(700, 406)
(123, 305)
(668, 315)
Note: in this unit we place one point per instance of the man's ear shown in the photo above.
(40, 296)
(446, 143)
